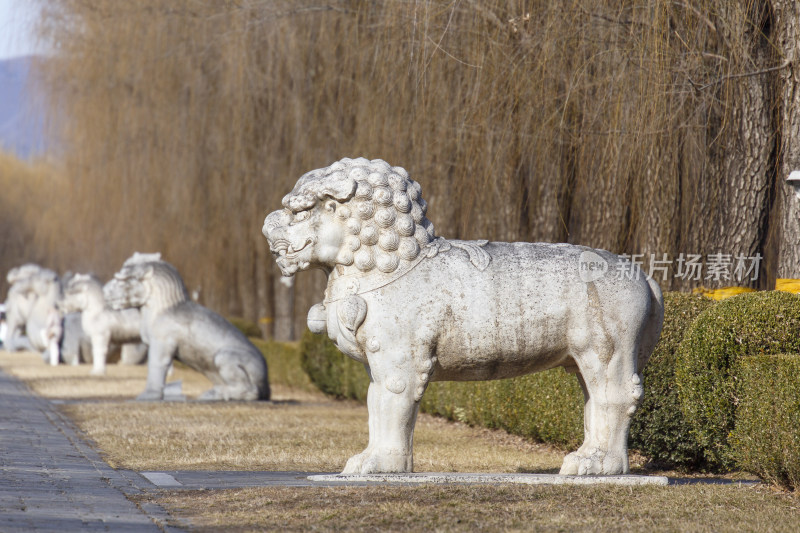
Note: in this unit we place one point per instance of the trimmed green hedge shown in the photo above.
(332, 371)
(766, 439)
(545, 406)
(283, 363)
(659, 429)
(752, 324)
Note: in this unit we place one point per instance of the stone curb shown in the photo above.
(523, 479)
(235, 479)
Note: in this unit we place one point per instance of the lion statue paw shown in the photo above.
(354, 464)
(595, 462)
(377, 462)
(150, 396)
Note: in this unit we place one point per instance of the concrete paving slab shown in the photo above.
(205, 479)
(52, 480)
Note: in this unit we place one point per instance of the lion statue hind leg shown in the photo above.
(612, 390)
(235, 382)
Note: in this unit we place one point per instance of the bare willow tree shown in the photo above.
(641, 126)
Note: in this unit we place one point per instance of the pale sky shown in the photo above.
(16, 27)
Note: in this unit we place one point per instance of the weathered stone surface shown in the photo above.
(414, 307)
(175, 327)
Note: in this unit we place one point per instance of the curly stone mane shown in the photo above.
(381, 209)
(166, 286)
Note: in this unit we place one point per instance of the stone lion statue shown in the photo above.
(175, 327)
(416, 308)
(36, 292)
(105, 326)
(19, 303)
(33, 305)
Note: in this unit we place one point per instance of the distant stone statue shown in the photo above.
(84, 294)
(415, 308)
(33, 307)
(19, 302)
(43, 291)
(75, 344)
(175, 327)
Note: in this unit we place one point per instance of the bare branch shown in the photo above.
(699, 87)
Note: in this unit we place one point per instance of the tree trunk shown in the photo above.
(787, 36)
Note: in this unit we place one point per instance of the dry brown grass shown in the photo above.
(308, 432)
(67, 382)
(307, 436)
(300, 430)
(697, 508)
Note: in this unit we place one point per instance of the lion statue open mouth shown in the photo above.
(415, 308)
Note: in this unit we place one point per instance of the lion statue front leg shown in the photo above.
(99, 353)
(159, 361)
(392, 408)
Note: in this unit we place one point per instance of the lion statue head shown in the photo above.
(35, 281)
(355, 212)
(77, 292)
(23, 272)
(145, 280)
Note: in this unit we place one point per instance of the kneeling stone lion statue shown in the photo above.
(415, 308)
(175, 327)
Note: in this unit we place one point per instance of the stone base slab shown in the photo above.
(458, 478)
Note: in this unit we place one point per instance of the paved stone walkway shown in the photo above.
(51, 480)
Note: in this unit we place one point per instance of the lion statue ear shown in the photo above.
(139, 257)
(338, 186)
(313, 186)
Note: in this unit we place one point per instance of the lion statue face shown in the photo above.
(37, 282)
(23, 272)
(145, 280)
(356, 212)
(128, 288)
(75, 293)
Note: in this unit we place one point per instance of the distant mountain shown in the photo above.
(21, 126)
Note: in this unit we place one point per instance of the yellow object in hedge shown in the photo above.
(725, 292)
(788, 285)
